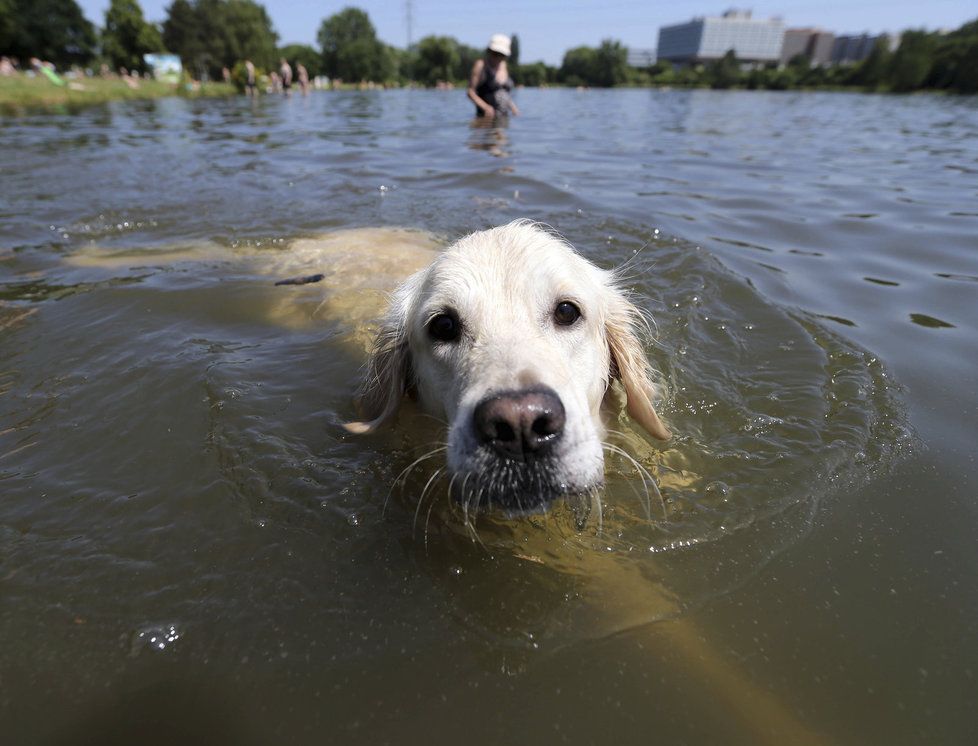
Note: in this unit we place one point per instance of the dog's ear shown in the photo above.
(630, 366)
(386, 379)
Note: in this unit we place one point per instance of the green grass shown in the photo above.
(22, 92)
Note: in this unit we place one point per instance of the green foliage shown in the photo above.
(872, 71)
(127, 36)
(514, 51)
(183, 34)
(605, 66)
(212, 34)
(239, 76)
(955, 65)
(912, 61)
(247, 34)
(20, 92)
(534, 74)
(724, 72)
(923, 60)
(578, 66)
(438, 59)
(8, 25)
(304, 54)
(54, 30)
(351, 50)
(801, 63)
(466, 59)
(612, 59)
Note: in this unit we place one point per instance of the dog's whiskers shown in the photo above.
(648, 481)
(595, 499)
(431, 480)
(405, 472)
(427, 519)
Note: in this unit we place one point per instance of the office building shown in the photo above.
(710, 38)
(641, 57)
(814, 43)
(855, 48)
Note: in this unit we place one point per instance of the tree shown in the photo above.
(247, 33)
(536, 74)
(612, 63)
(53, 30)
(912, 61)
(212, 34)
(724, 72)
(351, 50)
(438, 59)
(956, 61)
(8, 24)
(578, 67)
(514, 52)
(127, 36)
(182, 34)
(466, 59)
(605, 66)
(872, 70)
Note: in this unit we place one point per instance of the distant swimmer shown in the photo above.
(490, 84)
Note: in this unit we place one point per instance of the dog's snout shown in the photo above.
(520, 424)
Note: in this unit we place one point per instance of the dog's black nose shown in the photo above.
(520, 425)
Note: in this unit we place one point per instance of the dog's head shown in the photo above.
(513, 339)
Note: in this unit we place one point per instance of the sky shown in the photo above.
(548, 28)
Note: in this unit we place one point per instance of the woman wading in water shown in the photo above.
(490, 84)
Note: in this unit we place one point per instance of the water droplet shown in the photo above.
(718, 489)
(154, 638)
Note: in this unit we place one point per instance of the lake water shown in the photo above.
(193, 551)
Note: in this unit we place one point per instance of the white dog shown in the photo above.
(513, 339)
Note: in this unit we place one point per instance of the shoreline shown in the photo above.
(19, 92)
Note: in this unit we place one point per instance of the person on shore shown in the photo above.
(285, 72)
(6, 67)
(251, 84)
(490, 84)
(303, 76)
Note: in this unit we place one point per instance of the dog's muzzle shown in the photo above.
(520, 425)
(517, 458)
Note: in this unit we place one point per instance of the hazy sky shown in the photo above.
(547, 28)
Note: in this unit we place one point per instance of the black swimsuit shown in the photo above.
(493, 92)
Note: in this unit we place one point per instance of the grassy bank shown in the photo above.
(22, 92)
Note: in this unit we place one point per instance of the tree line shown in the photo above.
(210, 35)
(922, 61)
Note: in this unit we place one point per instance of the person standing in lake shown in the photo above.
(490, 84)
(303, 75)
(285, 71)
(251, 87)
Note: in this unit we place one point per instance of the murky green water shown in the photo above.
(192, 550)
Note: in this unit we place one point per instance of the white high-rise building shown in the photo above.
(710, 38)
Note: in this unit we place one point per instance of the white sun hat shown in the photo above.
(500, 43)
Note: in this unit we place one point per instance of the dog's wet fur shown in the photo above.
(513, 339)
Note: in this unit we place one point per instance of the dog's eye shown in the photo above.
(445, 327)
(566, 313)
